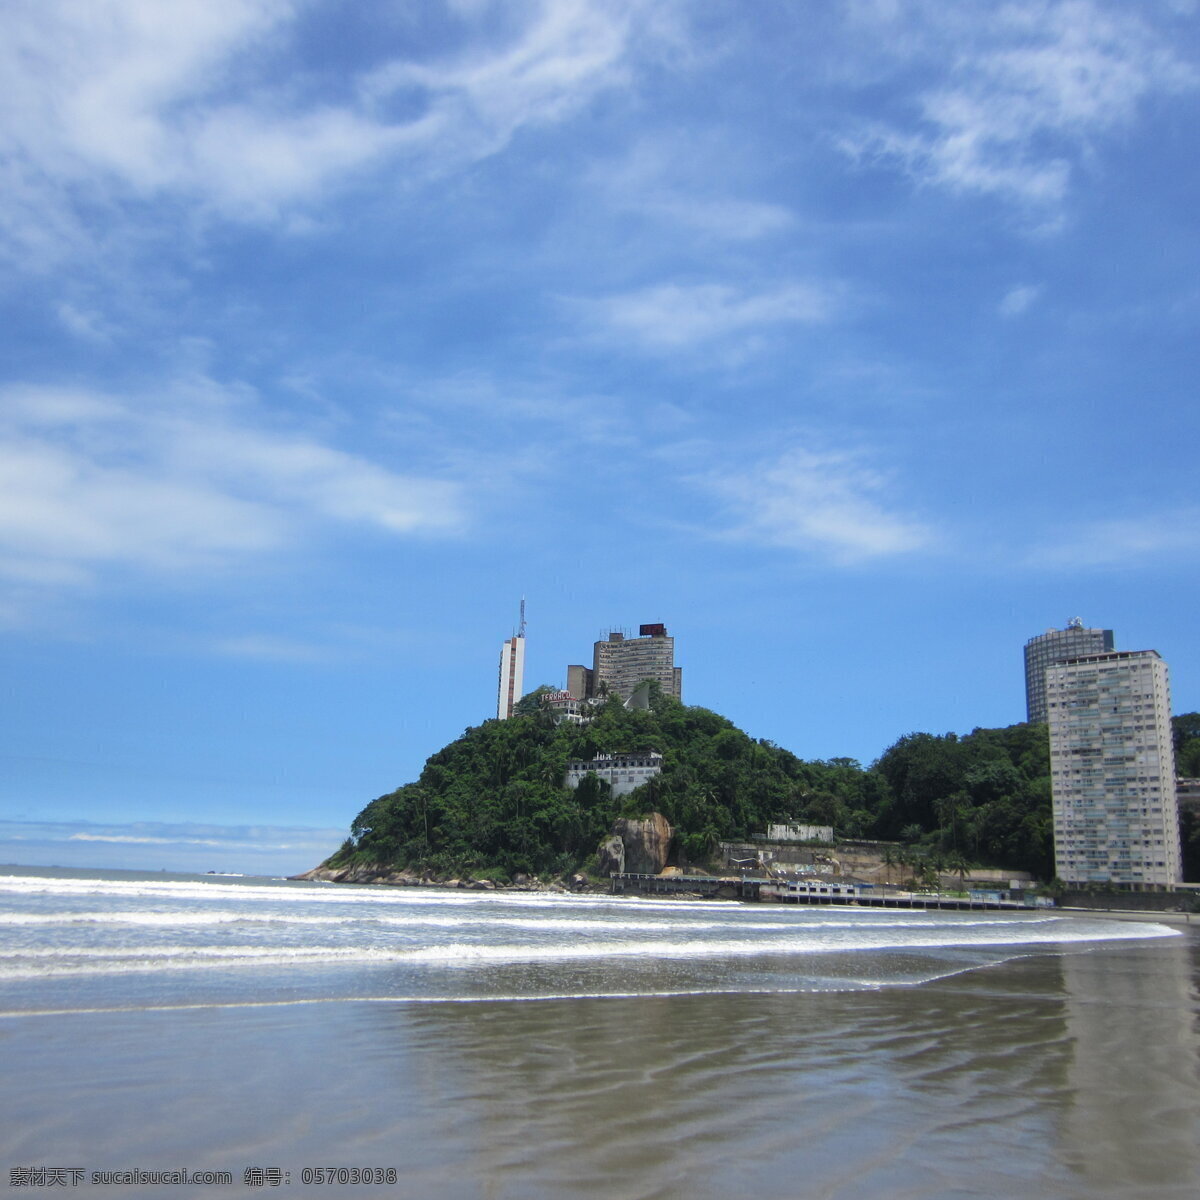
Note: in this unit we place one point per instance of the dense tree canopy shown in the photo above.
(1186, 729)
(985, 795)
(494, 800)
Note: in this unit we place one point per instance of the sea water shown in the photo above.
(502, 1044)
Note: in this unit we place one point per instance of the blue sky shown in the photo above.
(856, 342)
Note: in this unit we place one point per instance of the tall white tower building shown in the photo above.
(512, 670)
(1112, 770)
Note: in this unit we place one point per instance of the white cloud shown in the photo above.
(95, 100)
(185, 480)
(161, 833)
(475, 101)
(1028, 88)
(252, 164)
(1123, 541)
(1017, 300)
(674, 316)
(269, 648)
(684, 185)
(155, 845)
(134, 839)
(727, 219)
(84, 323)
(118, 102)
(60, 506)
(827, 503)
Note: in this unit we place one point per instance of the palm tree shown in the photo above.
(889, 861)
(958, 864)
(929, 874)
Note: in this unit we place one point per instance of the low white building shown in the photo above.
(567, 708)
(622, 772)
(817, 888)
(792, 832)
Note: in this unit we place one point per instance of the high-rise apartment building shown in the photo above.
(620, 663)
(1112, 770)
(579, 681)
(512, 670)
(1053, 646)
(512, 675)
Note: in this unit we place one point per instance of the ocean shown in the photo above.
(171, 1035)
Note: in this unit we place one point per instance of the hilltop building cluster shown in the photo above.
(1114, 792)
(620, 663)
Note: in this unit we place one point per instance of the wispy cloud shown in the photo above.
(139, 840)
(474, 100)
(830, 503)
(1019, 299)
(729, 219)
(690, 189)
(163, 833)
(84, 323)
(1123, 541)
(130, 103)
(671, 316)
(187, 846)
(271, 648)
(1027, 88)
(193, 477)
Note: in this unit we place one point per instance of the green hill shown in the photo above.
(492, 803)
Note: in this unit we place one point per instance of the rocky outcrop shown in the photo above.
(611, 855)
(362, 873)
(641, 847)
(374, 873)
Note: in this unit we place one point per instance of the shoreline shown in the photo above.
(1168, 917)
(376, 875)
(397, 879)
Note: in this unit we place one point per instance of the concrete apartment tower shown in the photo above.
(620, 663)
(1053, 646)
(1112, 770)
(512, 670)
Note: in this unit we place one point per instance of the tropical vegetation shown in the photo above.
(493, 803)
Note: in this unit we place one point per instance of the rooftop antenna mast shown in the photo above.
(521, 631)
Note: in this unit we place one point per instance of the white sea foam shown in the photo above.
(179, 919)
(581, 923)
(574, 908)
(816, 940)
(65, 928)
(462, 954)
(312, 893)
